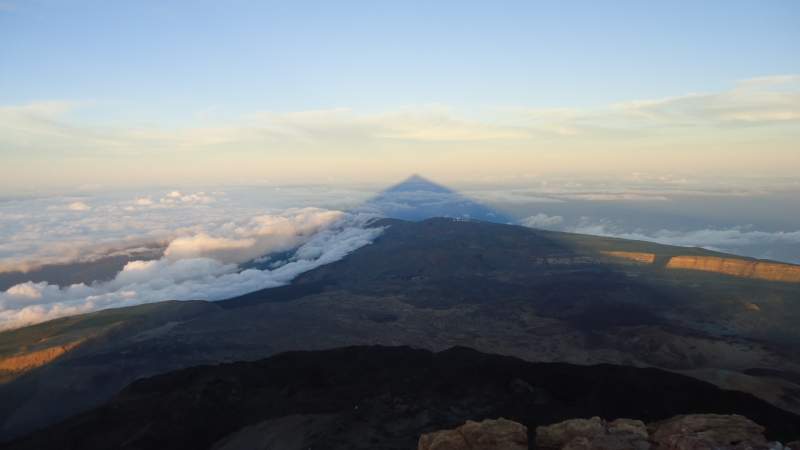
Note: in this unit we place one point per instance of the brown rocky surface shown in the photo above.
(14, 365)
(500, 434)
(536, 295)
(593, 434)
(639, 257)
(558, 435)
(707, 431)
(761, 270)
(683, 432)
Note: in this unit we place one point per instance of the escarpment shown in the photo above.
(637, 257)
(761, 270)
(15, 365)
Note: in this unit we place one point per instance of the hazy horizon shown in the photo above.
(136, 95)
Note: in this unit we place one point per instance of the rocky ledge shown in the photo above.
(685, 432)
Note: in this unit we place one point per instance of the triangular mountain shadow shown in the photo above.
(417, 198)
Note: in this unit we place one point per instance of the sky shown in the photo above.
(154, 93)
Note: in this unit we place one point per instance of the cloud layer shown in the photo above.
(741, 240)
(724, 239)
(202, 266)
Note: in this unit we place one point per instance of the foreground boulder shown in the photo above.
(700, 431)
(500, 434)
(556, 436)
(685, 432)
(594, 433)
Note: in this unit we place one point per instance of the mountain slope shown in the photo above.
(537, 295)
(380, 398)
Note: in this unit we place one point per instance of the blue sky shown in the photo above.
(237, 56)
(127, 79)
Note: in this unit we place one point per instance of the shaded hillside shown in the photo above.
(537, 295)
(382, 398)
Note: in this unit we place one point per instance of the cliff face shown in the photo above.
(761, 270)
(738, 267)
(638, 257)
(16, 365)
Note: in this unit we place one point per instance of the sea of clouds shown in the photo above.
(738, 240)
(197, 243)
(204, 237)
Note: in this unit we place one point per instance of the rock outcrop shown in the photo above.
(594, 433)
(743, 268)
(685, 432)
(15, 365)
(637, 257)
(700, 431)
(500, 434)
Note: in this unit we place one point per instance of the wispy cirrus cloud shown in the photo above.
(753, 118)
(772, 100)
(758, 101)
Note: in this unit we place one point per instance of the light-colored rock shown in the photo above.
(638, 257)
(621, 441)
(442, 440)
(578, 443)
(708, 431)
(594, 434)
(685, 432)
(500, 434)
(628, 426)
(560, 434)
(762, 270)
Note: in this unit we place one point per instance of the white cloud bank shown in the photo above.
(202, 266)
(739, 240)
(727, 239)
(230, 226)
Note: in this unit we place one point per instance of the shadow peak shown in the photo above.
(418, 198)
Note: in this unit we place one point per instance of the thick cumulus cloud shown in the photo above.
(258, 236)
(202, 266)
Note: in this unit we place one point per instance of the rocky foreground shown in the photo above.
(684, 432)
(385, 398)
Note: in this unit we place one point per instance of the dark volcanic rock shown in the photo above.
(533, 294)
(381, 398)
